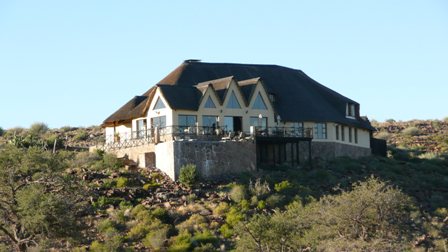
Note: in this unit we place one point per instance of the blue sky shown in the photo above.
(76, 62)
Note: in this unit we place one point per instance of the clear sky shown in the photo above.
(76, 62)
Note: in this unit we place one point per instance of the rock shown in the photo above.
(167, 205)
(205, 212)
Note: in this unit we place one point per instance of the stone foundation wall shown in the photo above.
(212, 158)
(329, 150)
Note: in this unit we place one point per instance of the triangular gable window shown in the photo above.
(209, 103)
(233, 102)
(259, 103)
(159, 104)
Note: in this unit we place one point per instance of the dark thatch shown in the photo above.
(297, 96)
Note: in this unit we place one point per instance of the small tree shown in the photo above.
(188, 175)
(38, 202)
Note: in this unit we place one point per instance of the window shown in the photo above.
(259, 103)
(259, 122)
(228, 123)
(159, 104)
(233, 102)
(350, 134)
(186, 121)
(209, 121)
(159, 122)
(342, 133)
(356, 135)
(350, 110)
(337, 132)
(141, 128)
(320, 131)
(298, 129)
(209, 103)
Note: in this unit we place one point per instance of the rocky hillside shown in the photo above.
(425, 136)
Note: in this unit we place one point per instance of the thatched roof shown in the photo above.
(297, 96)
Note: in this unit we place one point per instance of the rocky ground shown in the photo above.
(430, 136)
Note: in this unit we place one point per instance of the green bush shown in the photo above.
(234, 216)
(221, 209)
(188, 175)
(38, 129)
(282, 186)
(238, 193)
(411, 131)
(275, 200)
(181, 242)
(226, 231)
(155, 239)
(2, 131)
(82, 135)
(204, 237)
(122, 182)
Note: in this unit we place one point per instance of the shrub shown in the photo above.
(238, 193)
(38, 129)
(181, 242)
(284, 185)
(390, 120)
(221, 209)
(82, 135)
(122, 182)
(259, 189)
(156, 239)
(161, 213)
(194, 223)
(411, 131)
(105, 224)
(234, 216)
(226, 231)
(204, 237)
(383, 135)
(275, 200)
(188, 175)
(2, 131)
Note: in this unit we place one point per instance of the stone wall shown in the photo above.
(325, 150)
(212, 158)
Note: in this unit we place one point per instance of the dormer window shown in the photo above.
(272, 97)
(350, 110)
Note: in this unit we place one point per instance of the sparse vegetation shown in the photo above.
(396, 203)
(188, 175)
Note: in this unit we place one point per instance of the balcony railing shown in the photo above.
(162, 134)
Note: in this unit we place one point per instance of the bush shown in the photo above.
(181, 242)
(284, 185)
(383, 135)
(259, 189)
(38, 129)
(411, 131)
(82, 135)
(194, 223)
(188, 175)
(221, 209)
(204, 237)
(373, 215)
(122, 182)
(2, 131)
(156, 239)
(238, 193)
(275, 200)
